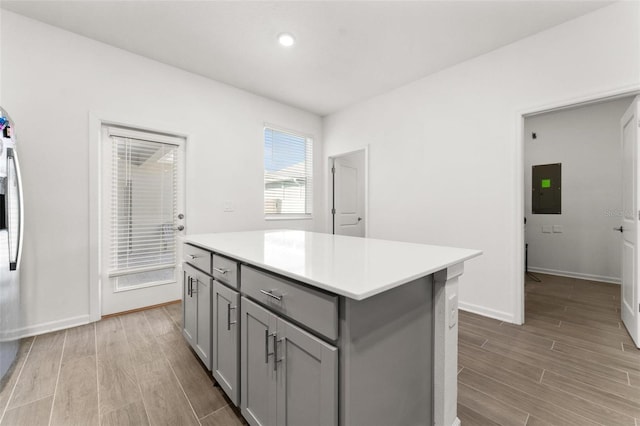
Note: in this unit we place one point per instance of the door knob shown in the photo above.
(621, 229)
(359, 219)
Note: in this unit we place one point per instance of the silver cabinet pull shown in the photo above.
(270, 294)
(221, 271)
(266, 345)
(189, 286)
(196, 289)
(621, 229)
(193, 256)
(179, 228)
(275, 351)
(229, 322)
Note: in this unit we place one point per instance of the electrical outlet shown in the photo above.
(557, 229)
(546, 229)
(228, 206)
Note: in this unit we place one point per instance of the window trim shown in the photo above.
(308, 137)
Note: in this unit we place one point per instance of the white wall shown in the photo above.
(444, 150)
(586, 140)
(52, 80)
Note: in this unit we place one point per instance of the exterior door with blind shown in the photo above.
(141, 218)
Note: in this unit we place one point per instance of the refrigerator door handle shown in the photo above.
(16, 252)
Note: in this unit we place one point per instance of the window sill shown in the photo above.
(306, 217)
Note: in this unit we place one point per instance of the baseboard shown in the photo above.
(486, 312)
(578, 275)
(47, 327)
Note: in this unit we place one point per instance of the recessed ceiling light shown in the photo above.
(286, 40)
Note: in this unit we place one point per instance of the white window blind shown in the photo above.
(143, 211)
(288, 174)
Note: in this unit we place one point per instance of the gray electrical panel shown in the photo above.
(546, 185)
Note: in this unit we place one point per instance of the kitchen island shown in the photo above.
(309, 328)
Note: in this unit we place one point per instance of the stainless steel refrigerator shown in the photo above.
(11, 226)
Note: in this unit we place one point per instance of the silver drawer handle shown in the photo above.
(221, 271)
(229, 322)
(193, 256)
(266, 345)
(270, 294)
(275, 351)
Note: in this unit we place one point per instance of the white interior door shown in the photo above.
(141, 218)
(629, 229)
(348, 195)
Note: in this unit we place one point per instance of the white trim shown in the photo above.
(96, 121)
(285, 217)
(47, 327)
(285, 130)
(578, 275)
(486, 312)
(517, 225)
(121, 272)
(145, 285)
(124, 132)
(329, 190)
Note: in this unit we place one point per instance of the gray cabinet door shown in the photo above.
(189, 307)
(258, 390)
(307, 378)
(203, 285)
(225, 339)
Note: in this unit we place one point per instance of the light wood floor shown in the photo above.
(134, 369)
(571, 364)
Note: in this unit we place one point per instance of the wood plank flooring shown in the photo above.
(134, 369)
(572, 363)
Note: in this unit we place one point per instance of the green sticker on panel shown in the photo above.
(546, 183)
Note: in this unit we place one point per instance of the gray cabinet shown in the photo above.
(225, 359)
(189, 309)
(197, 312)
(290, 377)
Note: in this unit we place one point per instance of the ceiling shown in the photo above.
(346, 51)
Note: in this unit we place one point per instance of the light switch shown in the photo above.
(557, 229)
(546, 229)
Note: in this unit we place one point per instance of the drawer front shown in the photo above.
(200, 258)
(315, 309)
(225, 270)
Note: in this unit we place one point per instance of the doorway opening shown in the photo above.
(348, 193)
(573, 198)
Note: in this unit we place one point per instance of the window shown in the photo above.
(288, 173)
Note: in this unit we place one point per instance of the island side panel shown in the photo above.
(446, 345)
(386, 357)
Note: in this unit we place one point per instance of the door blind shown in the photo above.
(143, 209)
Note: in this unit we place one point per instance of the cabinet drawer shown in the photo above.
(317, 310)
(200, 258)
(225, 270)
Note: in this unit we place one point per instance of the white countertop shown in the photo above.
(353, 267)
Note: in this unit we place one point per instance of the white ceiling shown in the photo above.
(346, 51)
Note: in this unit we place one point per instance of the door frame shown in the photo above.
(517, 260)
(330, 192)
(96, 121)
